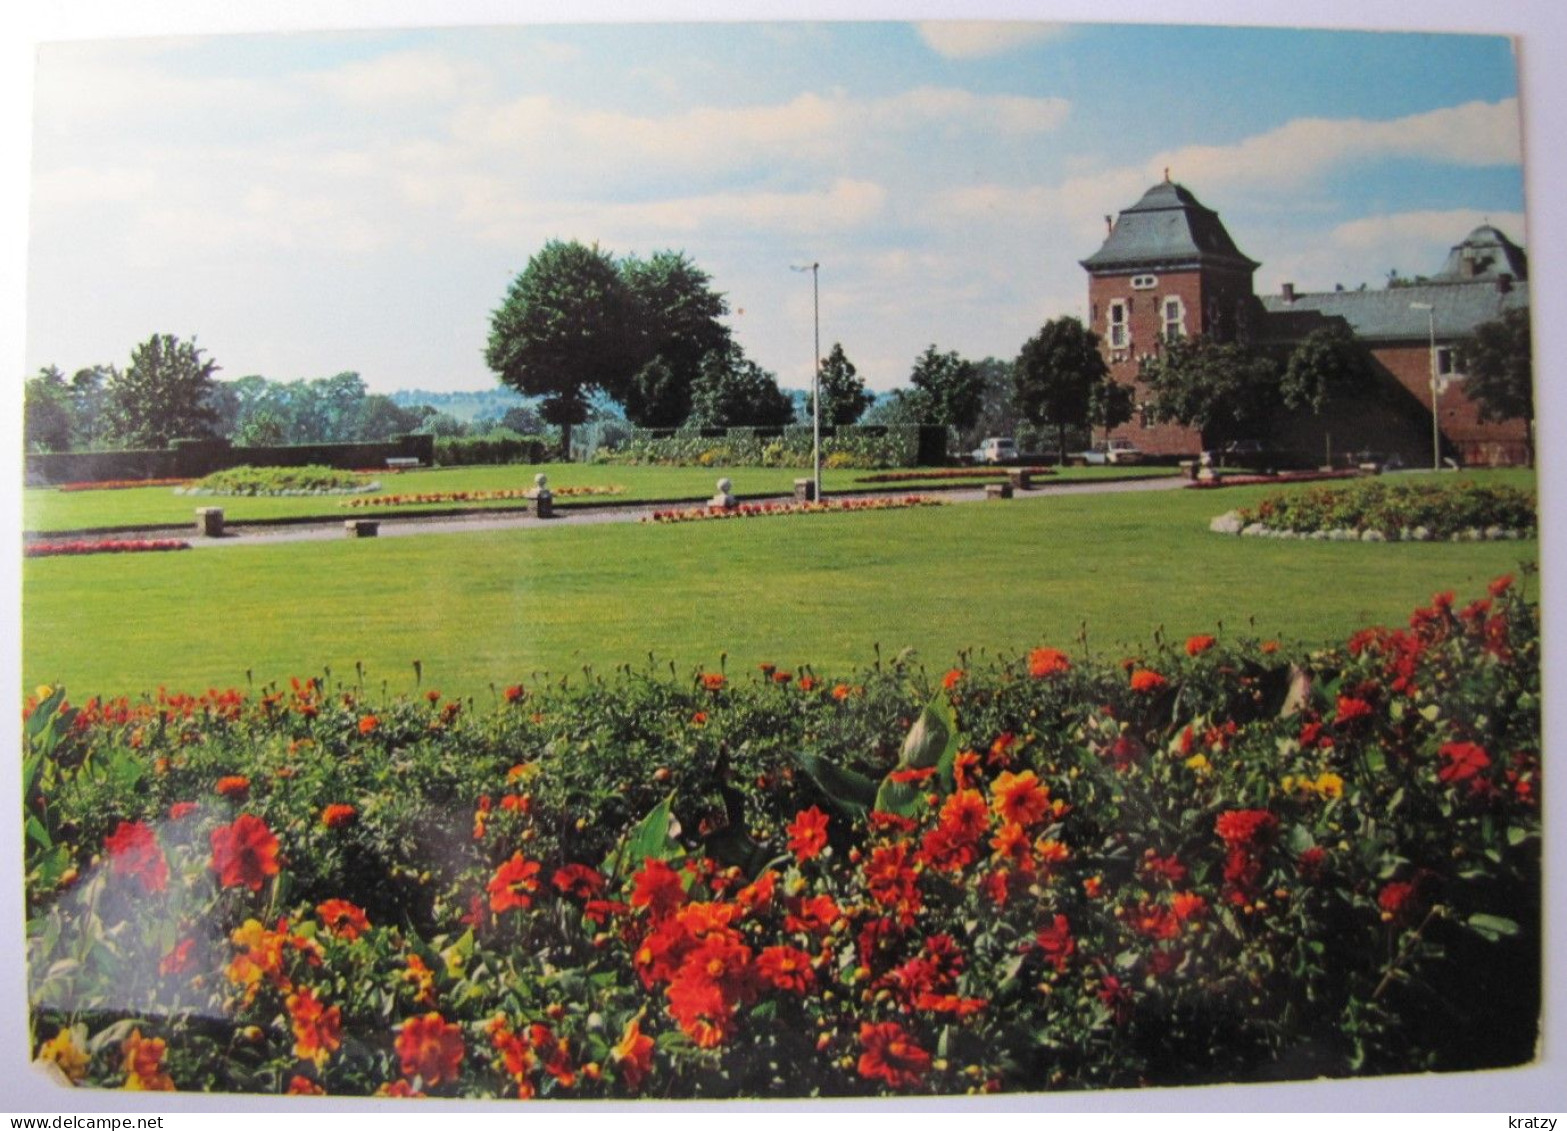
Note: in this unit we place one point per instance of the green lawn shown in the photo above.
(45, 509)
(478, 609)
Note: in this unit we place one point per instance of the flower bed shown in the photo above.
(79, 547)
(1215, 862)
(280, 481)
(121, 484)
(1269, 480)
(951, 473)
(1417, 510)
(476, 496)
(770, 510)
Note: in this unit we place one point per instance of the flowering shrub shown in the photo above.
(79, 546)
(1442, 508)
(473, 496)
(768, 510)
(308, 480)
(121, 484)
(1217, 861)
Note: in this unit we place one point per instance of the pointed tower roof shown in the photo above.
(1168, 228)
(1485, 254)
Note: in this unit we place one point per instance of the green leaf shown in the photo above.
(1516, 835)
(851, 792)
(1492, 927)
(650, 838)
(932, 742)
(38, 834)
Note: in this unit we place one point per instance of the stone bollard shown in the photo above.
(998, 490)
(1020, 479)
(724, 499)
(362, 528)
(805, 490)
(209, 522)
(542, 498)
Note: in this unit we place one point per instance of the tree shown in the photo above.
(260, 430)
(732, 391)
(568, 328)
(1498, 359)
(844, 399)
(901, 406)
(522, 420)
(90, 405)
(1109, 405)
(998, 415)
(678, 312)
(1220, 389)
(1055, 376)
(47, 417)
(379, 417)
(163, 395)
(953, 387)
(1327, 365)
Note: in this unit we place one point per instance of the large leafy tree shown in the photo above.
(732, 391)
(1328, 365)
(678, 314)
(1055, 378)
(844, 397)
(569, 328)
(1498, 359)
(163, 395)
(48, 420)
(953, 388)
(1222, 389)
(90, 406)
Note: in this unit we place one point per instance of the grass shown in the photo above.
(499, 607)
(45, 509)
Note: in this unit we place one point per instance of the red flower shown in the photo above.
(245, 853)
(1398, 902)
(304, 1086)
(1501, 585)
(1310, 864)
(318, 1031)
(1242, 828)
(782, 677)
(430, 1048)
(1461, 762)
(787, 968)
(657, 887)
(634, 1054)
(808, 834)
(235, 787)
(952, 678)
(577, 880)
(134, 853)
(1197, 645)
(1019, 798)
(513, 693)
(1351, 709)
(1145, 681)
(339, 816)
(1056, 943)
(368, 724)
(177, 961)
(513, 884)
(1046, 662)
(342, 919)
(713, 681)
(891, 1055)
(182, 809)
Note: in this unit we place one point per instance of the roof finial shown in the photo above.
(1166, 174)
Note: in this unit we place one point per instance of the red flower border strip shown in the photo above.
(774, 510)
(122, 484)
(81, 548)
(473, 496)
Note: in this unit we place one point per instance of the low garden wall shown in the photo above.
(192, 459)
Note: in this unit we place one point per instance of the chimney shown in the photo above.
(1289, 293)
(1504, 283)
(1109, 224)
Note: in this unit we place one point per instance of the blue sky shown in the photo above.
(311, 203)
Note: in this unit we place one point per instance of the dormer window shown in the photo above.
(1118, 330)
(1144, 282)
(1173, 315)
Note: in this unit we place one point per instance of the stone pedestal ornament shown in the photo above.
(542, 498)
(724, 499)
(805, 490)
(209, 522)
(1205, 472)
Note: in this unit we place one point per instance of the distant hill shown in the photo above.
(468, 406)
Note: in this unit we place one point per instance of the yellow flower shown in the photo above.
(1329, 785)
(1200, 763)
(67, 1055)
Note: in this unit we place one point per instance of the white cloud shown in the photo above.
(403, 77)
(1366, 249)
(977, 39)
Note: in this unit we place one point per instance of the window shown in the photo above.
(1144, 415)
(1446, 363)
(1174, 317)
(1144, 282)
(1120, 336)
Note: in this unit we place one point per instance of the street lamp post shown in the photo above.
(816, 380)
(1436, 431)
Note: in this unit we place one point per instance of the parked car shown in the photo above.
(1382, 461)
(995, 449)
(1119, 452)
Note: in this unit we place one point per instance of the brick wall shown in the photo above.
(1464, 435)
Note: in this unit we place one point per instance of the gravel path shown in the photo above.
(242, 534)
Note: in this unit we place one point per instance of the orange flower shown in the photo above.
(1144, 680)
(952, 678)
(965, 816)
(304, 1086)
(318, 1031)
(782, 677)
(422, 978)
(787, 968)
(368, 724)
(891, 1055)
(134, 853)
(1046, 662)
(244, 853)
(342, 919)
(713, 681)
(144, 1064)
(1197, 645)
(513, 884)
(339, 816)
(657, 887)
(1351, 709)
(1019, 798)
(430, 1048)
(1187, 905)
(840, 691)
(182, 809)
(235, 787)
(634, 1054)
(808, 834)
(513, 693)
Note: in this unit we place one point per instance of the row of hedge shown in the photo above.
(847, 446)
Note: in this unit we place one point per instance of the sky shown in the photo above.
(311, 203)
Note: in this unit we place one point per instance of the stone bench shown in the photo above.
(362, 528)
(805, 490)
(1020, 478)
(998, 490)
(399, 463)
(209, 522)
